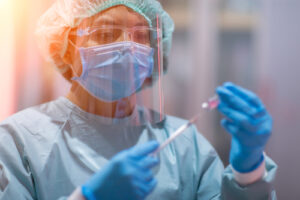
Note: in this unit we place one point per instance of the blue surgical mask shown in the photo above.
(115, 71)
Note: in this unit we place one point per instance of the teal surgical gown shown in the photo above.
(49, 150)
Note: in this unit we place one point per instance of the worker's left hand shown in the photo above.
(248, 122)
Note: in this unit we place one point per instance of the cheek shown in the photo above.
(77, 66)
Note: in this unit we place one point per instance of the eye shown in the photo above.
(142, 36)
(104, 36)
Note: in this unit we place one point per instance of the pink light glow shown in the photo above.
(213, 103)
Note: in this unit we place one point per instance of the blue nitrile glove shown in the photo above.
(127, 176)
(248, 122)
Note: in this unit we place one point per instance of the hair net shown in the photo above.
(54, 26)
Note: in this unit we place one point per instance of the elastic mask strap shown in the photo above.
(76, 75)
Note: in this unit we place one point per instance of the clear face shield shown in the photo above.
(117, 63)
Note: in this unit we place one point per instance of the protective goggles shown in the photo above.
(118, 63)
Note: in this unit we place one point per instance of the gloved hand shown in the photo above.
(127, 176)
(248, 122)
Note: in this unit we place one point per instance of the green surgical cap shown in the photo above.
(54, 26)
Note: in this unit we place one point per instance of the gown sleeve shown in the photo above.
(261, 189)
(215, 183)
(16, 180)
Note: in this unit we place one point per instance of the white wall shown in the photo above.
(279, 83)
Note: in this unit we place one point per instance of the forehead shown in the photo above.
(118, 15)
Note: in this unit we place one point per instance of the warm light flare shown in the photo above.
(4, 2)
(7, 66)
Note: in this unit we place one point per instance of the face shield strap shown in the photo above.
(161, 99)
(73, 69)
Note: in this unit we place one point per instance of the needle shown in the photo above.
(211, 104)
(178, 132)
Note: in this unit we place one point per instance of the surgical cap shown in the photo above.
(54, 26)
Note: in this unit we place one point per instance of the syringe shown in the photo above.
(211, 104)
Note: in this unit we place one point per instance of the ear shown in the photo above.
(72, 59)
(69, 54)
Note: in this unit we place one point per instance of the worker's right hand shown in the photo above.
(127, 176)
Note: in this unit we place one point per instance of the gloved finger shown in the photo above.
(139, 194)
(232, 100)
(260, 128)
(151, 185)
(143, 189)
(265, 126)
(230, 127)
(238, 118)
(144, 175)
(256, 126)
(143, 149)
(148, 162)
(245, 94)
(148, 187)
(260, 112)
(264, 116)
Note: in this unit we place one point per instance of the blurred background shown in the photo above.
(254, 43)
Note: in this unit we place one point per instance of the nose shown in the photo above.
(128, 35)
(125, 36)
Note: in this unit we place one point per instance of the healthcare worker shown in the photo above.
(96, 142)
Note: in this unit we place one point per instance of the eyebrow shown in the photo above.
(105, 20)
(141, 24)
